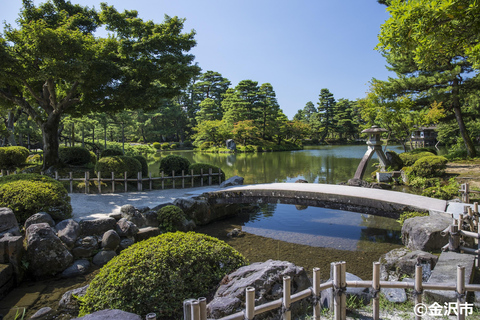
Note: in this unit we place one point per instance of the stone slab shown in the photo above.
(445, 272)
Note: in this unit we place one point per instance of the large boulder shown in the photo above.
(103, 257)
(267, 278)
(78, 268)
(110, 240)
(393, 161)
(424, 233)
(96, 226)
(8, 223)
(202, 212)
(125, 228)
(68, 231)
(46, 253)
(401, 262)
(85, 247)
(134, 215)
(233, 181)
(69, 303)
(39, 218)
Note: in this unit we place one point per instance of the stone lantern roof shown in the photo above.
(375, 129)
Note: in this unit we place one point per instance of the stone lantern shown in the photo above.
(374, 144)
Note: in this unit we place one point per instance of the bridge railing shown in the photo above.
(195, 309)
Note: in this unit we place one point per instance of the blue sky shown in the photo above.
(298, 46)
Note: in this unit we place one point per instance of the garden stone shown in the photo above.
(110, 315)
(78, 268)
(233, 181)
(8, 223)
(126, 228)
(424, 233)
(46, 253)
(399, 262)
(231, 145)
(132, 214)
(68, 231)
(393, 161)
(68, 303)
(202, 212)
(151, 219)
(394, 295)
(125, 243)
(358, 183)
(85, 247)
(301, 181)
(96, 226)
(103, 257)
(146, 233)
(267, 278)
(110, 240)
(116, 215)
(44, 313)
(39, 218)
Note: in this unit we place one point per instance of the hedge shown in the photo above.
(11, 157)
(144, 164)
(119, 165)
(111, 153)
(75, 156)
(158, 274)
(174, 163)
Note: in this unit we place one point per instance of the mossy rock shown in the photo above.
(197, 169)
(174, 163)
(75, 156)
(432, 166)
(119, 165)
(171, 218)
(409, 158)
(11, 157)
(158, 274)
(27, 194)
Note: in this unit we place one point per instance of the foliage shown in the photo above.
(93, 157)
(111, 153)
(430, 166)
(457, 155)
(158, 274)
(75, 156)
(165, 146)
(444, 192)
(143, 162)
(27, 194)
(426, 149)
(174, 163)
(173, 146)
(11, 157)
(171, 218)
(119, 165)
(410, 214)
(197, 167)
(34, 158)
(215, 131)
(157, 145)
(409, 158)
(187, 144)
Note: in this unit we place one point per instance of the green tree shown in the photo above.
(209, 110)
(212, 85)
(268, 110)
(245, 131)
(326, 111)
(346, 125)
(216, 131)
(53, 64)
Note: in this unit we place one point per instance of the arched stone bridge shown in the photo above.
(364, 200)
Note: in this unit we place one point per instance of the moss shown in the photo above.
(27, 194)
(410, 214)
(119, 165)
(76, 156)
(171, 218)
(174, 163)
(11, 157)
(158, 274)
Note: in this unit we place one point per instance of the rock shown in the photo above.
(69, 303)
(358, 183)
(39, 218)
(393, 161)
(8, 223)
(103, 257)
(111, 315)
(394, 295)
(267, 278)
(96, 226)
(116, 215)
(301, 181)
(132, 214)
(148, 232)
(424, 233)
(400, 262)
(68, 231)
(126, 228)
(125, 243)
(110, 240)
(234, 233)
(151, 219)
(363, 294)
(46, 253)
(188, 225)
(78, 268)
(233, 181)
(381, 185)
(44, 314)
(231, 145)
(85, 247)
(201, 212)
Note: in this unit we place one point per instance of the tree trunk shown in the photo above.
(11, 128)
(461, 125)
(50, 141)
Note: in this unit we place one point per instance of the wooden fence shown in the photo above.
(185, 179)
(465, 192)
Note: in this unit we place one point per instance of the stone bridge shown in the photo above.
(364, 200)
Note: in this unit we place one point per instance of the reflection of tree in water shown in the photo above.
(268, 209)
(380, 229)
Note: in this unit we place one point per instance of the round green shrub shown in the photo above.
(157, 145)
(196, 167)
(75, 156)
(174, 163)
(158, 274)
(409, 158)
(119, 165)
(27, 194)
(143, 162)
(34, 158)
(11, 157)
(111, 153)
(171, 218)
(430, 166)
(165, 145)
(187, 144)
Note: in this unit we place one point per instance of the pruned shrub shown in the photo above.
(173, 146)
(158, 274)
(429, 166)
(197, 169)
(11, 157)
(410, 158)
(445, 192)
(75, 156)
(425, 149)
(119, 165)
(171, 218)
(111, 153)
(144, 164)
(157, 145)
(165, 146)
(174, 163)
(27, 194)
(187, 144)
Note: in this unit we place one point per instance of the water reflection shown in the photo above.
(322, 227)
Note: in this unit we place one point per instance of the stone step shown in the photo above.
(445, 272)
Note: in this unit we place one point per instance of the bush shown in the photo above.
(446, 192)
(158, 274)
(165, 145)
(173, 146)
(111, 153)
(144, 164)
(205, 145)
(27, 194)
(457, 155)
(429, 166)
(75, 156)
(196, 167)
(187, 144)
(409, 158)
(93, 157)
(157, 145)
(426, 149)
(34, 158)
(174, 163)
(171, 218)
(119, 165)
(11, 157)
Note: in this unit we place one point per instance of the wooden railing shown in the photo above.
(465, 192)
(196, 309)
(186, 180)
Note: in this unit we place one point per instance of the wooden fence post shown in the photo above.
(87, 182)
(183, 179)
(339, 299)
(203, 308)
(287, 314)
(71, 181)
(139, 181)
(316, 293)
(249, 303)
(99, 180)
(460, 292)
(376, 291)
(163, 182)
(418, 287)
(454, 239)
(192, 179)
(56, 175)
(150, 180)
(201, 177)
(173, 179)
(219, 176)
(113, 182)
(126, 182)
(209, 176)
(475, 207)
(195, 310)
